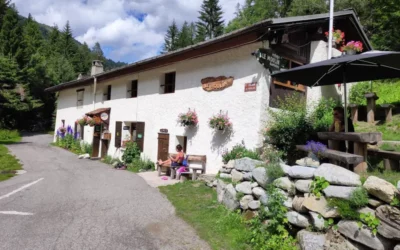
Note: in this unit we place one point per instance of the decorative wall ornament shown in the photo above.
(216, 83)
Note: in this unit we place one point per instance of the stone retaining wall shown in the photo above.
(305, 211)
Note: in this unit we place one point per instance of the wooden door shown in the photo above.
(118, 134)
(96, 141)
(163, 146)
(104, 148)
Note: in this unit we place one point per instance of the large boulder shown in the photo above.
(254, 205)
(389, 215)
(342, 192)
(337, 175)
(230, 198)
(374, 203)
(319, 205)
(236, 175)
(260, 176)
(300, 172)
(335, 241)
(363, 235)
(298, 204)
(303, 185)
(261, 195)
(246, 164)
(225, 176)
(254, 184)
(311, 241)
(231, 164)
(397, 247)
(380, 188)
(317, 221)
(388, 231)
(225, 170)
(288, 202)
(398, 186)
(221, 186)
(284, 167)
(244, 202)
(297, 219)
(244, 187)
(285, 184)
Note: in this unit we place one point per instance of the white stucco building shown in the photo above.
(143, 100)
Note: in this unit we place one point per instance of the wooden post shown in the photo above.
(354, 112)
(361, 149)
(391, 164)
(388, 111)
(371, 105)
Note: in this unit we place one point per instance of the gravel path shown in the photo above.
(84, 204)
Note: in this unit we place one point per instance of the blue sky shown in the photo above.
(128, 30)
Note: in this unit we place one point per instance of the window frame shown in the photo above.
(107, 95)
(169, 83)
(134, 89)
(79, 102)
(288, 84)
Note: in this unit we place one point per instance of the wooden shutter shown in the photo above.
(118, 134)
(108, 92)
(134, 88)
(140, 135)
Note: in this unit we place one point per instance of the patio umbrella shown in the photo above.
(372, 65)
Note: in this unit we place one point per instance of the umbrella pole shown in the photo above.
(346, 125)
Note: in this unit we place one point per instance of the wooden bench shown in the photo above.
(337, 155)
(391, 159)
(193, 170)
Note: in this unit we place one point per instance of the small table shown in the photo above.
(361, 141)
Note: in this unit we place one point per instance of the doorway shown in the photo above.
(96, 140)
(163, 146)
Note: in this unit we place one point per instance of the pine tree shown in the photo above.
(67, 42)
(97, 52)
(171, 38)
(210, 20)
(32, 37)
(3, 9)
(10, 36)
(185, 37)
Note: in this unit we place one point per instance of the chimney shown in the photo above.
(97, 67)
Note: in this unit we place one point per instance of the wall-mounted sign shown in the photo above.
(163, 130)
(104, 116)
(139, 136)
(216, 83)
(248, 87)
(269, 59)
(126, 128)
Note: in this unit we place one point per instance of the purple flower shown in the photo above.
(69, 130)
(315, 147)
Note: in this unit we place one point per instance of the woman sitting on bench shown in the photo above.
(174, 161)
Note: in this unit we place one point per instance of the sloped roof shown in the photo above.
(136, 67)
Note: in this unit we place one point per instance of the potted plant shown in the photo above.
(220, 122)
(337, 36)
(81, 121)
(90, 121)
(352, 47)
(188, 119)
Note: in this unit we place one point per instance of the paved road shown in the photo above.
(83, 204)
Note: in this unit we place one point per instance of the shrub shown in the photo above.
(132, 152)
(387, 90)
(321, 116)
(359, 198)
(139, 164)
(345, 208)
(274, 171)
(9, 135)
(239, 151)
(86, 148)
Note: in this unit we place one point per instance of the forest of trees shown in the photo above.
(33, 58)
(379, 18)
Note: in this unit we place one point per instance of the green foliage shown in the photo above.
(109, 160)
(9, 136)
(131, 152)
(239, 195)
(390, 147)
(321, 115)
(370, 221)
(359, 197)
(317, 185)
(388, 92)
(8, 164)
(86, 148)
(307, 7)
(395, 202)
(239, 151)
(71, 144)
(139, 165)
(274, 171)
(210, 21)
(345, 208)
(328, 223)
(171, 38)
(274, 235)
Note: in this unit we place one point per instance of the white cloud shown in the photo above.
(115, 24)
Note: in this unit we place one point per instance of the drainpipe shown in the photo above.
(94, 92)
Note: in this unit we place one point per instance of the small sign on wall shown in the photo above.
(249, 87)
(126, 127)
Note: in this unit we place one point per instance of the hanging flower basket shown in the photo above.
(337, 36)
(352, 47)
(189, 118)
(82, 121)
(220, 122)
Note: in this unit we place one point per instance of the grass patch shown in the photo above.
(8, 163)
(390, 176)
(197, 205)
(390, 131)
(390, 147)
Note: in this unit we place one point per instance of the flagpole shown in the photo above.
(331, 4)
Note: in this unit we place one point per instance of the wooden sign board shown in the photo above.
(216, 83)
(249, 87)
(269, 59)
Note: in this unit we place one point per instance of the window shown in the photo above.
(133, 89)
(79, 97)
(169, 83)
(279, 90)
(107, 93)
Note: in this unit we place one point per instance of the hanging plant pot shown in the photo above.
(221, 129)
(351, 52)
